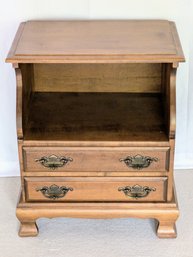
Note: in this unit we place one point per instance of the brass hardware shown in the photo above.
(138, 161)
(54, 192)
(53, 162)
(136, 191)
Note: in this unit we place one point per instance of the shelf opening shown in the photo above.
(97, 102)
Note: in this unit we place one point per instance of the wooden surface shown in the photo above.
(96, 91)
(165, 213)
(96, 41)
(97, 116)
(99, 159)
(96, 189)
(19, 103)
(141, 77)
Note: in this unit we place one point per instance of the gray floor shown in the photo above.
(96, 238)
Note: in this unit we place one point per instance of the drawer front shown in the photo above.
(96, 189)
(95, 159)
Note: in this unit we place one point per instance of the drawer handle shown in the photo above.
(136, 191)
(138, 161)
(53, 162)
(54, 192)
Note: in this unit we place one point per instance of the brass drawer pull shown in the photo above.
(53, 162)
(138, 161)
(54, 192)
(136, 191)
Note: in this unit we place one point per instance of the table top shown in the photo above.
(96, 41)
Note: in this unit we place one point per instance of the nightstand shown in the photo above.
(96, 120)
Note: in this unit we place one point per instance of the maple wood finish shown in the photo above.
(104, 159)
(144, 77)
(96, 189)
(96, 123)
(96, 120)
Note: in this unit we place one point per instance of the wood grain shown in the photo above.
(27, 90)
(97, 77)
(172, 102)
(96, 189)
(162, 212)
(19, 103)
(96, 91)
(100, 159)
(28, 228)
(97, 41)
(16, 41)
(96, 117)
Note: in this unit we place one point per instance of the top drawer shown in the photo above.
(99, 159)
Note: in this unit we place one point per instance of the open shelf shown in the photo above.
(96, 116)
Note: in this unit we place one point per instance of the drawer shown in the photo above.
(96, 159)
(96, 189)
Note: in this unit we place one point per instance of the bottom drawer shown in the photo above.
(109, 189)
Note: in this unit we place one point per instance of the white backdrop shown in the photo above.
(12, 12)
